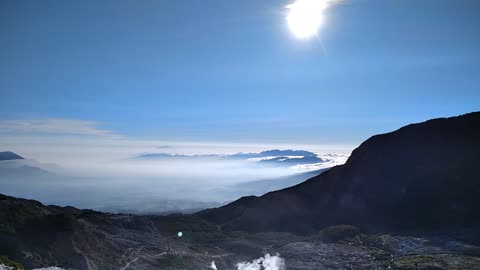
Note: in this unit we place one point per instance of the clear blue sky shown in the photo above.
(224, 70)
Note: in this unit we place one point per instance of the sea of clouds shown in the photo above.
(147, 185)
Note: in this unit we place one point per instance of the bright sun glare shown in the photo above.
(305, 17)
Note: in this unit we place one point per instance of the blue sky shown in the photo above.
(230, 71)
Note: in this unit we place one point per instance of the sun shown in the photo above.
(305, 17)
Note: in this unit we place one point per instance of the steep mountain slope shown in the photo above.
(9, 156)
(31, 230)
(422, 175)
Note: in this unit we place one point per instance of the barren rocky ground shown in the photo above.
(41, 236)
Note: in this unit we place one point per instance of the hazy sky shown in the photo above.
(230, 71)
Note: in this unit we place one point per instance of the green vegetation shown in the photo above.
(7, 262)
(416, 262)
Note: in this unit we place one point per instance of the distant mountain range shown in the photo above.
(422, 175)
(271, 157)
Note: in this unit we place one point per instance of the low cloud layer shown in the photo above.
(149, 185)
(70, 162)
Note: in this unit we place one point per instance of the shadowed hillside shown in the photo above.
(422, 175)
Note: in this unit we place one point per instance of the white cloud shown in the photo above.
(273, 157)
(329, 160)
(267, 262)
(53, 126)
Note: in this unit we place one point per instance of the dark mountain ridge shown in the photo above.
(422, 175)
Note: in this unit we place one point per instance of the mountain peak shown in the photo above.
(7, 155)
